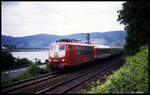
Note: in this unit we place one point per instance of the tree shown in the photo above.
(134, 16)
(7, 60)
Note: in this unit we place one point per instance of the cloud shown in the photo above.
(60, 18)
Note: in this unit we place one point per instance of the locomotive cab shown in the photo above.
(57, 54)
(60, 53)
(57, 51)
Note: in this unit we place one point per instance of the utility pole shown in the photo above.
(88, 38)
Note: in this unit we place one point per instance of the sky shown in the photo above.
(59, 18)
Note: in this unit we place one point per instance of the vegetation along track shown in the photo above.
(65, 82)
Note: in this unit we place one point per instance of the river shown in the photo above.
(42, 55)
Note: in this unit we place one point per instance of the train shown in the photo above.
(66, 53)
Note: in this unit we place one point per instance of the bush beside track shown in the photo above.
(131, 78)
(32, 71)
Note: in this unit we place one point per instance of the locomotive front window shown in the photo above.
(57, 47)
(57, 51)
(61, 47)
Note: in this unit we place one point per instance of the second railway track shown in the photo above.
(27, 82)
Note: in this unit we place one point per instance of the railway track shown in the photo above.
(67, 85)
(27, 82)
(56, 82)
(86, 83)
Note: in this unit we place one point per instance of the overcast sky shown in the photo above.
(59, 18)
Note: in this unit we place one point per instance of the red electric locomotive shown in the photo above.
(67, 53)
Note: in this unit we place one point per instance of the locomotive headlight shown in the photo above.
(63, 60)
(49, 60)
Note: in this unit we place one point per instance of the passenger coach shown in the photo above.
(102, 51)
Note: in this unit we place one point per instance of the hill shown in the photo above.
(112, 38)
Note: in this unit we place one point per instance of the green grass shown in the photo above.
(132, 78)
(32, 71)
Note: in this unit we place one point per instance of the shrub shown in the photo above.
(7, 59)
(33, 70)
(44, 70)
(23, 61)
(38, 62)
(47, 69)
(131, 78)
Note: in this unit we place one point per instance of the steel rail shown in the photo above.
(26, 82)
